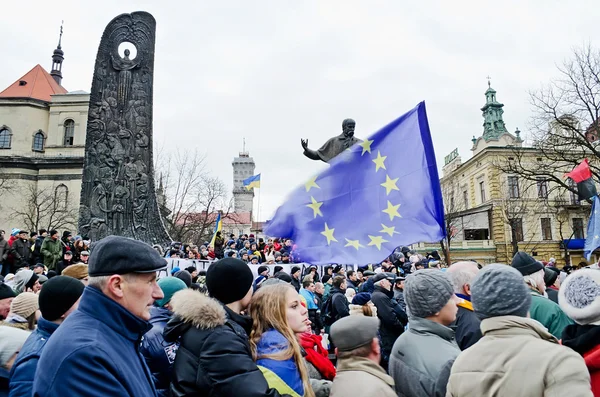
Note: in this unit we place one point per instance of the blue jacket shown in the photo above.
(310, 299)
(159, 354)
(273, 342)
(23, 371)
(95, 352)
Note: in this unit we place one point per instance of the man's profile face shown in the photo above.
(55, 236)
(140, 290)
(311, 287)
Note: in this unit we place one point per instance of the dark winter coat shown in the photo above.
(399, 297)
(391, 316)
(24, 369)
(466, 326)
(95, 352)
(214, 357)
(296, 283)
(4, 248)
(36, 255)
(367, 286)
(158, 353)
(21, 250)
(339, 306)
(585, 340)
(51, 251)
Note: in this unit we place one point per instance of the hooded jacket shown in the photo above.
(214, 357)
(51, 251)
(585, 340)
(23, 371)
(518, 357)
(95, 352)
(549, 314)
(158, 353)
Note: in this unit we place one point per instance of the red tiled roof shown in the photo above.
(38, 84)
(233, 218)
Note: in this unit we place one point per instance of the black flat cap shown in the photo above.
(383, 275)
(122, 255)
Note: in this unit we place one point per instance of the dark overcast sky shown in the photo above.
(276, 71)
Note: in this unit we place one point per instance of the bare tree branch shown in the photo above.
(43, 209)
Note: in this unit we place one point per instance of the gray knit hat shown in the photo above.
(579, 296)
(426, 292)
(499, 290)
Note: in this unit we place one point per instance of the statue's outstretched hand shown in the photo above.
(304, 143)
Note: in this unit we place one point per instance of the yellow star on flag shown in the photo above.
(379, 161)
(366, 146)
(353, 243)
(389, 184)
(391, 230)
(392, 210)
(312, 182)
(329, 234)
(377, 241)
(315, 206)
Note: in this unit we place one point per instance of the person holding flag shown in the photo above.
(217, 241)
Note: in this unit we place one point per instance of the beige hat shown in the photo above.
(25, 304)
(78, 271)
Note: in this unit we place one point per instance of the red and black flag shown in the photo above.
(582, 175)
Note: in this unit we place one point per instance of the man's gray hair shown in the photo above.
(461, 276)
(98, 282)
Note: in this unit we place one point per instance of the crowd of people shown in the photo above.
(409, 326)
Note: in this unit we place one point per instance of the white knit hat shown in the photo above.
(11, 341)
(579, 296)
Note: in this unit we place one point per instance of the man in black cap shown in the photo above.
(58, 299)
(214, 357)
(95, 352)
(295, 273)
(6, 297)
(357, 349)
(392, 318)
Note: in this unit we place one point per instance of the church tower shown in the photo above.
(493, 125)
(243, 168)
(57, 60)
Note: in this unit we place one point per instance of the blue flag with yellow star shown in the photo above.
(379, 194)
(592, 241)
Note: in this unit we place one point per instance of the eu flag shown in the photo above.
(592, 241)
(379, 194)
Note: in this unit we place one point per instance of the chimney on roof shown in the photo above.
(57, 60)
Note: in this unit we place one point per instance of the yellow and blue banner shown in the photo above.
(252, 182)
(218, 227)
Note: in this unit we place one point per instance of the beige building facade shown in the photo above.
(491, 213)
(42, 141)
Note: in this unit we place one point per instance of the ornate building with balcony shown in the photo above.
(42, 141)
(491, 213)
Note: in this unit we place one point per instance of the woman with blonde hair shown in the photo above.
(277, 315)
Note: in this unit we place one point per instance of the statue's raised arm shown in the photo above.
(333, 146)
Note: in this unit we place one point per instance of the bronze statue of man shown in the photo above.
(333, 146)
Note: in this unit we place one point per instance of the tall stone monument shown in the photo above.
(118, 194)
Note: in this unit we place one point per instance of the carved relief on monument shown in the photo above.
(118, 194)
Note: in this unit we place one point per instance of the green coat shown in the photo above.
(549, 314)
(52, 252)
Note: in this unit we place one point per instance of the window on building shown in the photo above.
(69, 126)
(466, 199)
(578, 228)
(61, 196)
(546, 229)
(477, 234)
(517, 227)
(542, 188)
(452, 208)
(38, 141)
(574, 195)
(482, 191)
(5, 138)
(513, 187)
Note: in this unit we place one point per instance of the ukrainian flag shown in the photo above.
(252, 182)
(218, 227)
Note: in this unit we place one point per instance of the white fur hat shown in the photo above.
(579, 296)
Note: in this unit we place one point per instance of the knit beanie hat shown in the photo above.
(229, 280)
(579, 296)
(58, 295)
(6, 292)
(11, 341)
(169, 286)
(526, 264)
(25, 304)
(184, 276)
(29, 284)
(426, 292)
(362, 298)
(499, 290)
